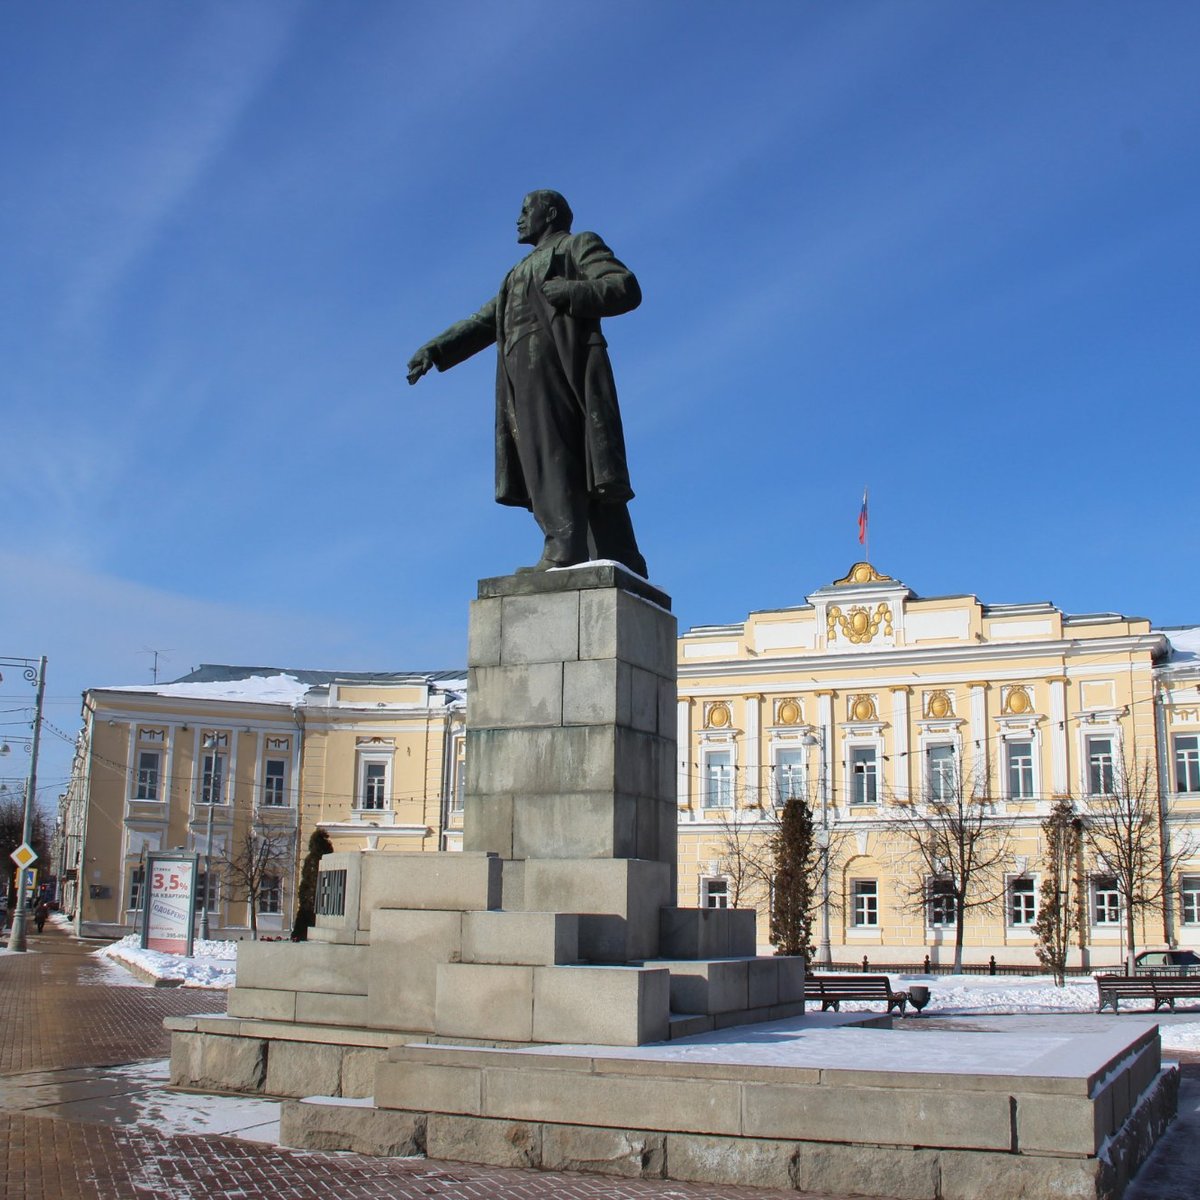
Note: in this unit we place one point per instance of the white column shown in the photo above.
(753, 777)
(683, 752)
(1058, 737)
(900, 762)
(825, 720)
(979, 735)
(131, 766)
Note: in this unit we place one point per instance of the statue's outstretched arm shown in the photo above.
(456, 344)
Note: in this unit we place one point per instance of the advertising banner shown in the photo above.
(170, 903)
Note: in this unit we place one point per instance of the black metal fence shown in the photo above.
(991, 967)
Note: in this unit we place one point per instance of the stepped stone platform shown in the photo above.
(557, 922)
(821, 1104)
(539, 999)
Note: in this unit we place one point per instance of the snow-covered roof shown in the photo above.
(281, 685)
(1185, 644)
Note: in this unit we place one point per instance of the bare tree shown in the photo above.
(256, 863)
(959, 846)
(1121, 828)
(1058, 919)
(745, 858)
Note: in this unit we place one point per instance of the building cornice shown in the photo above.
(814, 665)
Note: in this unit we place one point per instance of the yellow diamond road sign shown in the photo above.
(23, 855)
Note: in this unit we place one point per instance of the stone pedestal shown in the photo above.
(571, 718)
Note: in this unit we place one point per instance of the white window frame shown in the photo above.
(718, 779)
(213, 899)
(1185, 764)
(214, 779)
(1010, 792)
(284, 781)
(1113, 755)
(1189, 899)
(1029, 911)
(865, 903)
(789, 773)
(941, 772)
(458, 778)
(934, 897)
(365, 762)
(267, 893)
(714, 888)
(137, 885)
(148, 779)
(1105, 885)
(853, 776)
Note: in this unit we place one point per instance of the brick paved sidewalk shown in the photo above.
(60, 1009)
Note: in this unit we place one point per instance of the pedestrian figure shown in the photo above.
(40, 914)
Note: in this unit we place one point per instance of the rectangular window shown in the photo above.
(1189, 899)
(275, 782)
(716, 893)
(212, 787)
(270, 895)
(1019, 760)
(943, 909)
(208, 895)
(1101, 779)
(1022, 902)
(147, 775)
(941, 773)
(863, 775)
(1106, 901)
(137, 879)
(718, 779)
(789, 775)
(458, 791)
(1187, 763)
(866, 902)
(373, 785)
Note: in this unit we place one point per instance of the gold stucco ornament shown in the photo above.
(859, 624)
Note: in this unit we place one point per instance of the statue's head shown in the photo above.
(543, 211)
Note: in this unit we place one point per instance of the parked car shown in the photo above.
(1167, 962)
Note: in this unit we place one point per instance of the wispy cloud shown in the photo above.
(148, 172)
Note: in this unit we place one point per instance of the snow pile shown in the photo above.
(278, 689)
(212, 964)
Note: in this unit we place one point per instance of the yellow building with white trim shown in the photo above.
(373, 758)
(862, 699)
(867, 698)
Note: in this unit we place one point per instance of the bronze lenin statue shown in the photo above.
(560, 448)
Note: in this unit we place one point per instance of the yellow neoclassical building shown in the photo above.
(375, 759)
(868, 699)
(865, 699)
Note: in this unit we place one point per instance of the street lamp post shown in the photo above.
(210, 744)
(16, 939)
(825, 951)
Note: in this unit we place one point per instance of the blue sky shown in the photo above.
(944, 248)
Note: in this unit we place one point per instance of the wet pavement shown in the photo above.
(85, 1111)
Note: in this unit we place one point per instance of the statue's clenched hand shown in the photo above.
(419, 364)
(558, 292)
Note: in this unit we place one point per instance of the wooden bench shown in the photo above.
(831, 990)
(1159, 989)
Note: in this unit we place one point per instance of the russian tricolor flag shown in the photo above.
(862, 521)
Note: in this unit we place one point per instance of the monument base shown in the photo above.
(850, 1110)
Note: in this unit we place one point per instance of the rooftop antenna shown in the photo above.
(156, 653)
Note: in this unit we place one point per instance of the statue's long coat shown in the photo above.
(602, 287)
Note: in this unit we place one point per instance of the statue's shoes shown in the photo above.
(545, 564)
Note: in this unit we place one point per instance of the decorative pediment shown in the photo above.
(862, 572)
